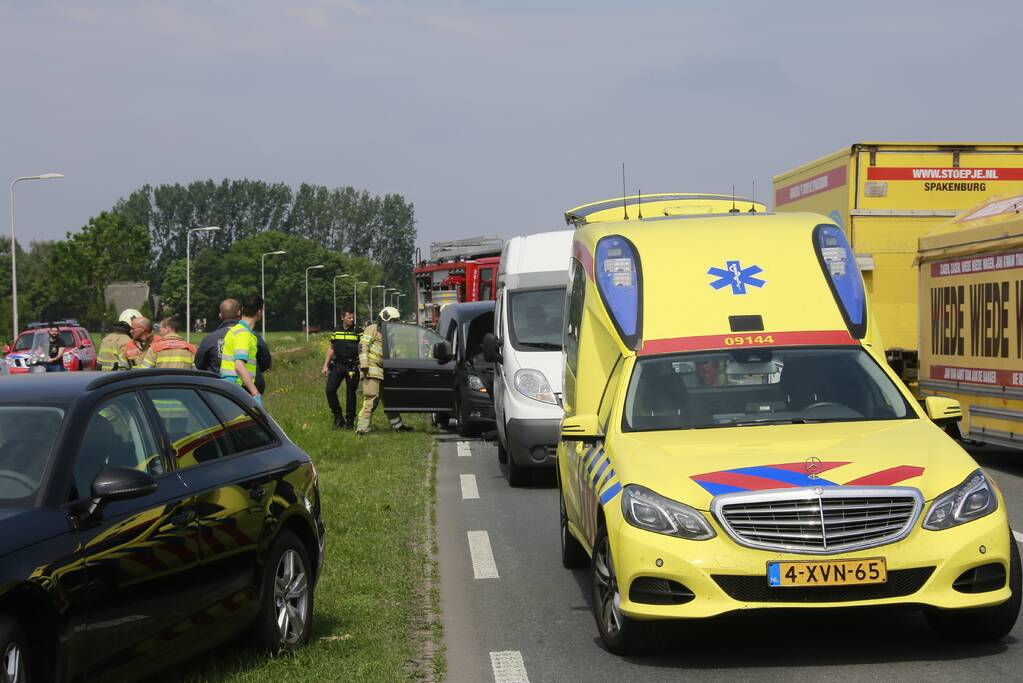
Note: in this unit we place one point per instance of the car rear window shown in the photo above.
(27, 434)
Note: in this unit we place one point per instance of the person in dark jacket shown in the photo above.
(207, 355)
(342, 365)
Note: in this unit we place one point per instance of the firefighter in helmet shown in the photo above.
(371, 368)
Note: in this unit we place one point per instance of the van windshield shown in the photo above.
(759, 386)
(535, 318)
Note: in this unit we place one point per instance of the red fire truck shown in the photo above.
(457, 271)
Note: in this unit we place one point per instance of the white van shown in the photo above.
(528, 321)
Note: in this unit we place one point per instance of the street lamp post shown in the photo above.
(336, 278)
(262, 282)
(355, 299)
(14, 248)
(371, 298)
(188, 277)
(397, 298)
(307, 299)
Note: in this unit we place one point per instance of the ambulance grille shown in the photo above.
(820, 520)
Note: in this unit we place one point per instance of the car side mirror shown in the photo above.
(491, 347)
(441, 352)
(583, 428)
(943, 411)
(119, 483)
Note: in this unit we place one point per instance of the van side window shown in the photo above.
(574, 314)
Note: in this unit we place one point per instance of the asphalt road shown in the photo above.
(527, 618)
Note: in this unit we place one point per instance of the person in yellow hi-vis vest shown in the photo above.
(170, 350)
(238, 358)
(111, 355)
(371, 367)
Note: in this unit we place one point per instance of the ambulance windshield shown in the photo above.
(759, 386)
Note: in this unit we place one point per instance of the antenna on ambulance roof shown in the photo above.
(639, 203)
(753, 205)
(733, 209)
(625, 208)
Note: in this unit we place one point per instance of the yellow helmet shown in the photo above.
(389, 313)
(127, 315)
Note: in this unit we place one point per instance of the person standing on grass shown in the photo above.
(371, 367)
(208, 355)
(170, 350)
(238, 359)
(342, 365)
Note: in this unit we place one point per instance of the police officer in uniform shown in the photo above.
(342, 365)
(371, 368)
(111, 355)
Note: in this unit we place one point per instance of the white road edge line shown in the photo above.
(483, 565)
(463, 450)
(469, 487)
(508, 667)
(1018, 535)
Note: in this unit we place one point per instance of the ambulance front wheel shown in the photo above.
(620, 634)
(986, 623)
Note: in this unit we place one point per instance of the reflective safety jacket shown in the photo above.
(239, 344)
(345, 344)
(371, 351)
(111, 355)
(170, 351)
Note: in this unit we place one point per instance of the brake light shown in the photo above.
(619, 281)
(843, 275)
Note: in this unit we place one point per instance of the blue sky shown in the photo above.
(492, 117)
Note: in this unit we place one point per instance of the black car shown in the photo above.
(424, 372)
(145, 516)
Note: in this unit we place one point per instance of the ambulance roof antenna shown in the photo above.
(639, 203)
(625, 208)
(733, 209)
(753, 205)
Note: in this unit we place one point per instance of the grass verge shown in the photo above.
(376, 612)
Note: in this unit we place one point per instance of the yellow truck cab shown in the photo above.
(885, 196)
(733, 438)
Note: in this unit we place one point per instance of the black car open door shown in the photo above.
(415, 381)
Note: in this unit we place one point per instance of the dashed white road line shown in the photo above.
(463, 450)
(508, 667)
(483, 565)
(469, 487)
(1018, 535)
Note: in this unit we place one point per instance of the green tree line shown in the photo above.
(143, 237)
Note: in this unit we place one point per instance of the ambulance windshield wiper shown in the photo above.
(778, 421)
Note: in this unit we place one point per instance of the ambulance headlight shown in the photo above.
(843, 274)
(533, 384)
(619, 279)
(644, 509)
(973, 499)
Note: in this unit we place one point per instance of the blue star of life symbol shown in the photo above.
(736, 276)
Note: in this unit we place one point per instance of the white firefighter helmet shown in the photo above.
(389, 313)
(127, 315)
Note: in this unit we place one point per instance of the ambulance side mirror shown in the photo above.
(492, 348)
(943, 411)
(583, 428)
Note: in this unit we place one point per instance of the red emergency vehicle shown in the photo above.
(457, 271)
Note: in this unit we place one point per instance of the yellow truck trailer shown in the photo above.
(971, 318)
(885, 196)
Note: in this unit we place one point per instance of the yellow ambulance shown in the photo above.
(733, 438)
(885, 196)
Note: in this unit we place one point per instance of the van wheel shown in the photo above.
(986, 623)
(440, 420)
(572, 554)
(285, 618)
(621, 635)
(517, 474)
(466, 426)
(14, 655)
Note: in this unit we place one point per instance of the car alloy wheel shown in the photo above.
(291, 597)
(14, 664)
(606, 589)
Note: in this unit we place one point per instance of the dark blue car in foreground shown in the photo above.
(146, 516)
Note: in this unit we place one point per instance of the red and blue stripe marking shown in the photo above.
(793, 475)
